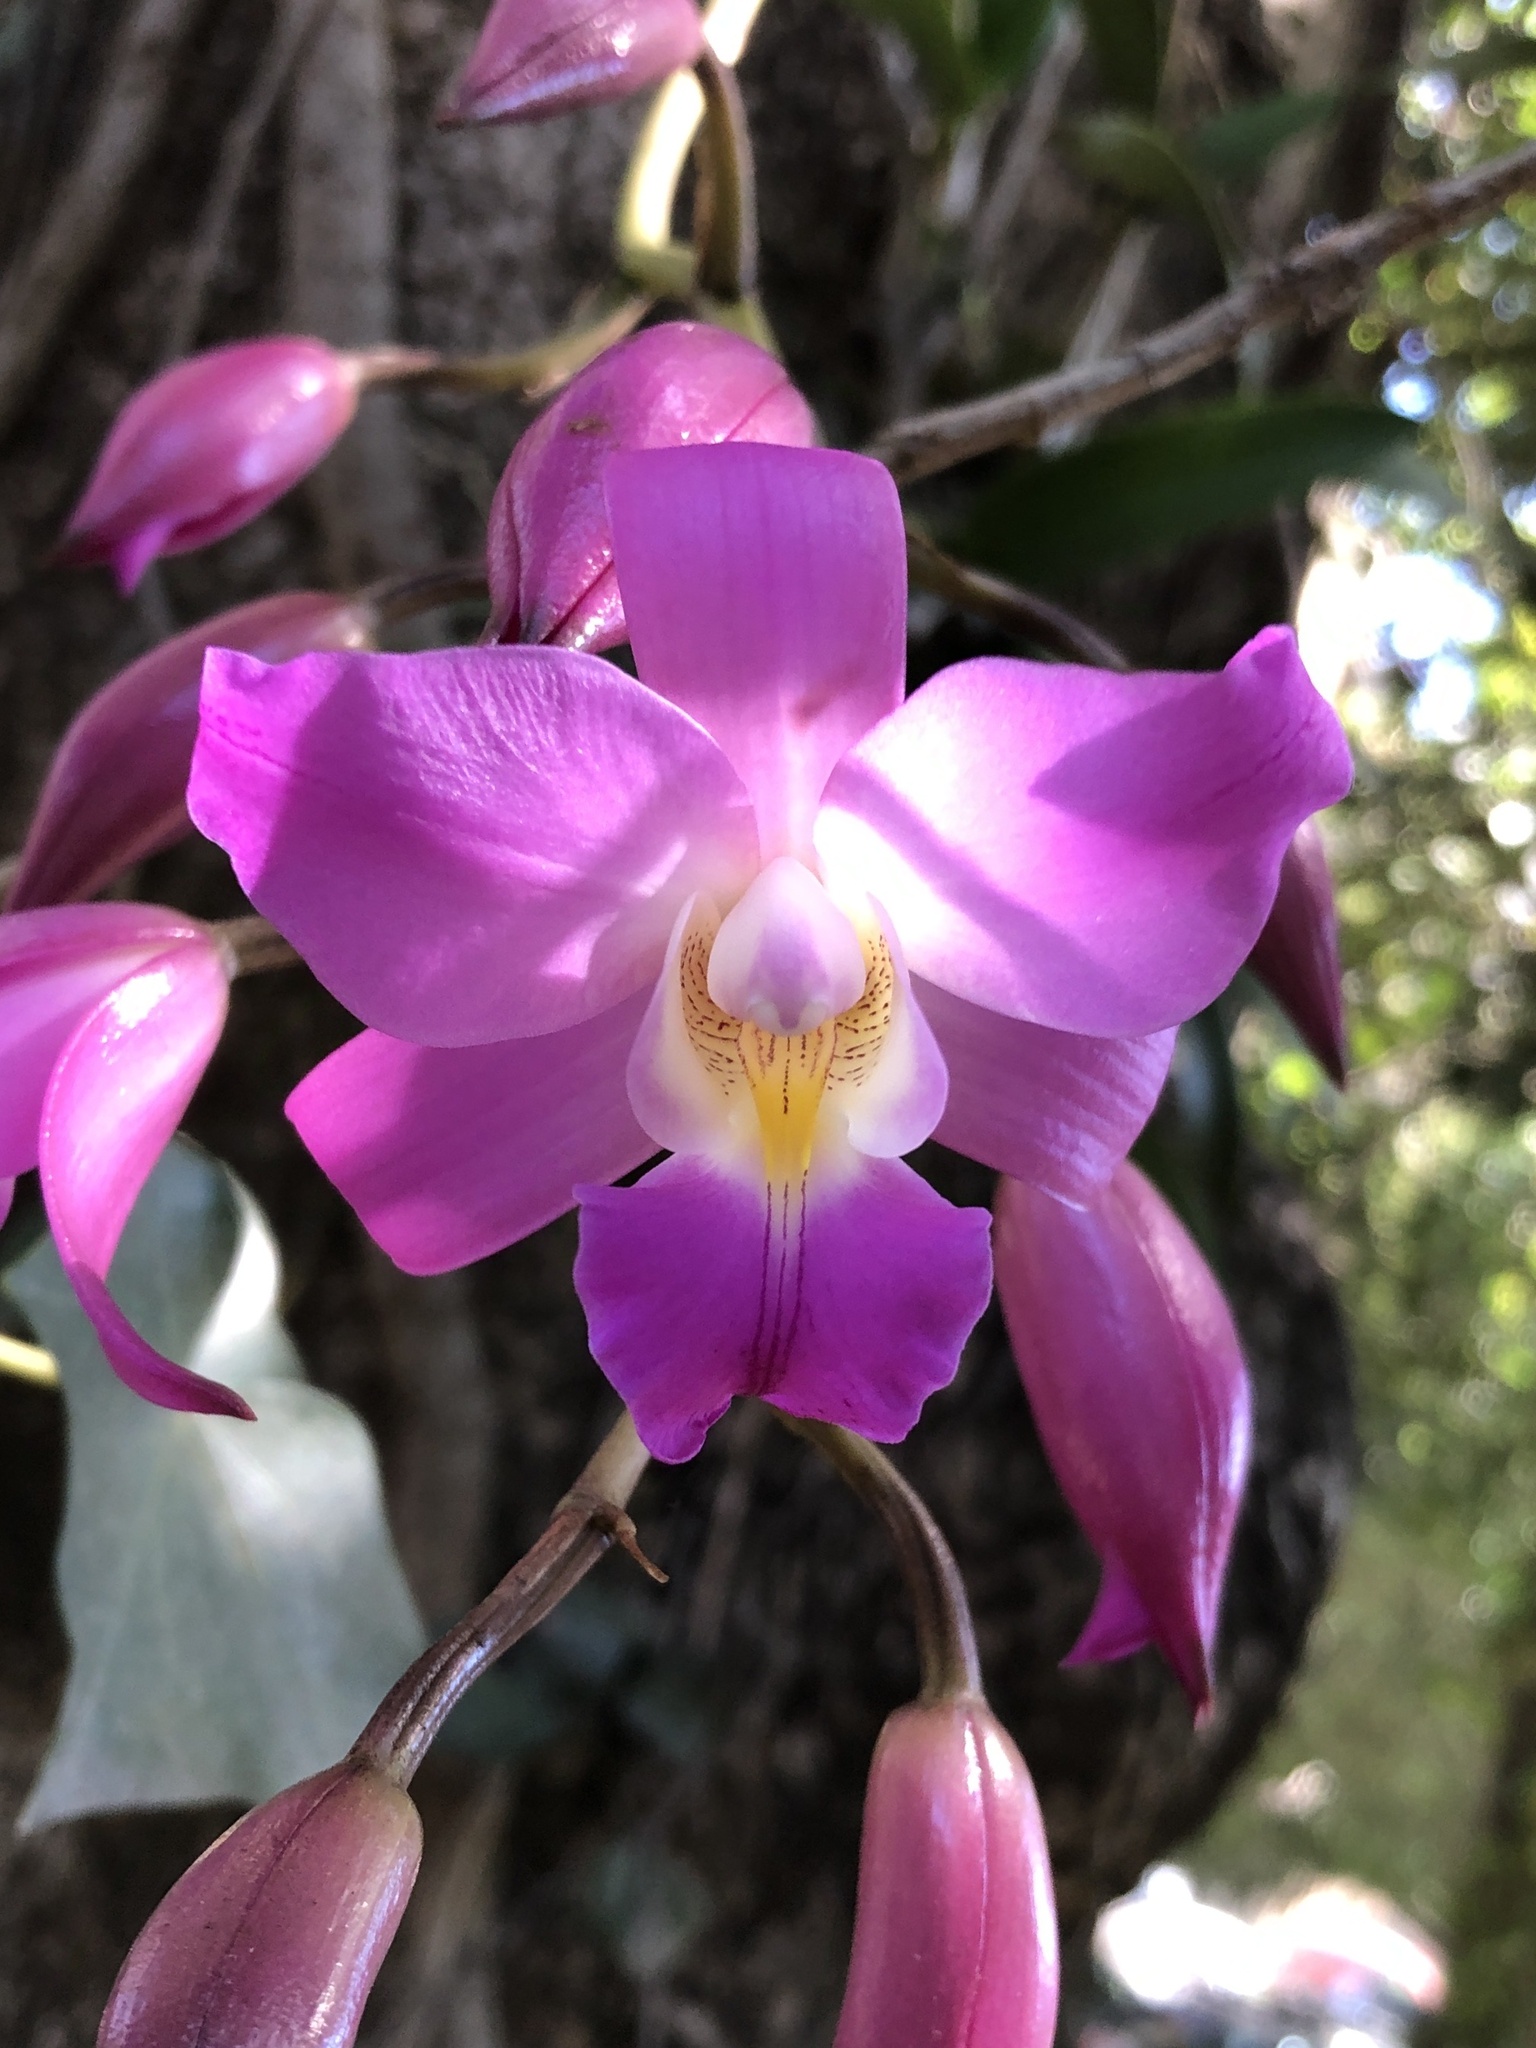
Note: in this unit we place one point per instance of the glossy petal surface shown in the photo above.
(1054, 1108)
(117, 786)
(1088, 851)
(765, 590)
(1297, 954)
(277, 1931)
(535, 58)
(55, 966)
(1136, 1378)
(847, 1301)
(448, 1154)
(205, 446)
(549, 547)
(954, 1942)
(129, 1071)
(467, 845)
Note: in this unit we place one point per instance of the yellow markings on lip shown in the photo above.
(787, 1075)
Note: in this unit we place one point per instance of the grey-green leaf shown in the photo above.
(1130, 39)
(1238, 142)
(234, 1604)
(1144, 489)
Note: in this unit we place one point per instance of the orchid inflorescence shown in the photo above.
(752, 907)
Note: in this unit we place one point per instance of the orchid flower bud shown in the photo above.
(276, 1933)
(208, 444)
(1135, 1374)
(117, 788)
(954, 1941)
(550, 547)
(535, 58)
(1296, 955)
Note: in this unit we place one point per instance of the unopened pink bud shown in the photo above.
(276, 1933)
(954, 1944)
(549, 549)
(1297, 954)
(207, 445)
(1135, 1374)
(117, 788)
(535, 58)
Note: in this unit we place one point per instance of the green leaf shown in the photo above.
(1145, 489)
(234, 1606)
(1146, 165)
(1008, 34)
(1240, 141)
(1129, 39)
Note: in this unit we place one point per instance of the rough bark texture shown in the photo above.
(672, 1858)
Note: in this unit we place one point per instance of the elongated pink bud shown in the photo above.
(1136, 1378)
(549, 547)
(1297, 954)
(535, 58)
(208, 444)
(954, 1943)
(117, 787)
(276, 1933)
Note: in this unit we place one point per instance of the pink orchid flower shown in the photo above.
(549, 553)
(758, 911)
(1135, 1375)
(1297, 955)
(109, 1013)
(208, 444)
(954, 1940)
(276, 1933)
(117, 787)
(535, 58)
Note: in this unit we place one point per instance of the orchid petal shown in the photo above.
(447, 1154)
(848, 1302)
(1087, 851)
(117, 787)
(117, 1095)
(1054, 1108)
(55, 966)
(1135, 1375)
(765, 590)
(1119, 1624)
(470, 844)
(1296, 955)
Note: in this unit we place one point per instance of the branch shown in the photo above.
(1007, 605)
(585, 1524)
(38, 288)
(1315, 280)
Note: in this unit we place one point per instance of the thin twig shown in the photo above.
(725, 210)
(1317, 280)
(253, 946)
(589, 1520)
(296, 23)
(946, 1641)
(1005, 604)
(394, 598)
(39, 287)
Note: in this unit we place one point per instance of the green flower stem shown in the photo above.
(946, 1640)
(586, 1523)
